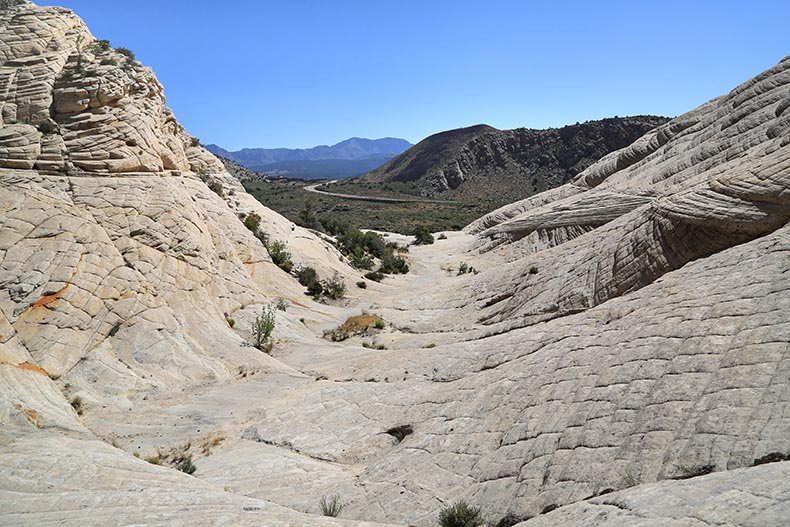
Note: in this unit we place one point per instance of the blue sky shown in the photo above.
(298, 73)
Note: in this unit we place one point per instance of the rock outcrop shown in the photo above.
(620, 332)
(242, 173)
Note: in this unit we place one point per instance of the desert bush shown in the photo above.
(315, 289)
(194, 142)
(422, 236)
(463, 268)
(335, 287)
(230, 321)
(510, 519)
(356, 325)
(47, 128)
(280, 255)
(262, 328)
(380, 324)
(361, 261)
(216, 187)
(77, 404)
(128, 53)
(354, 241)
(282, 304)
(108, 61)
(99, 46)
(391, 264)
(186, 465)
(376, 276)
(306, 276)
(692, 471)
(460, 514)
(773, 457)
(332, 506)
(533, 270)
(252, 221)
(362, 285)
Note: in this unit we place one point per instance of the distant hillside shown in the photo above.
(324, 168)
(354, 148)
(481, 162)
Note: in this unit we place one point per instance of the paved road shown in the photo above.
(314, 188)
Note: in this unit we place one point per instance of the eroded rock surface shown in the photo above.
(626, 329)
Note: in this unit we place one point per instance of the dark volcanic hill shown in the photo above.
(483, 162)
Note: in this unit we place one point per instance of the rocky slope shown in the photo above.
(242, 173)
(481, 162)
(625, 329)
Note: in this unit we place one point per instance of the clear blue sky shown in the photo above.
(298, 73)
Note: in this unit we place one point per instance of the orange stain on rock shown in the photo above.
(32, 367)
(48, 299)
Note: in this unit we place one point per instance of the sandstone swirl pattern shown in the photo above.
(625, 329)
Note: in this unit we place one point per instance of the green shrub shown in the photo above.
(391, 264)
(354, 241)
(99, 46)
(331, 507)
(280, 255)
(362, 285)
(230, 321)
(422, 236)
(380, 324)
(128, 53)
(47, 128)
(376, 276)
(262, 328)
(194, 142)
(335, 287)
(361, 261)
(315, 289)
(307, 276)
(186, 465)
(461, 514)
(108, 61)
(463, 268)
(533, 270)
(252, 221)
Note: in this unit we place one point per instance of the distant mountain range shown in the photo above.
(345, 159)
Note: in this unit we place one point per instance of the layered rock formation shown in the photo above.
(624, 330)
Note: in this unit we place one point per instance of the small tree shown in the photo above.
(262, 328)
(460, 514)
